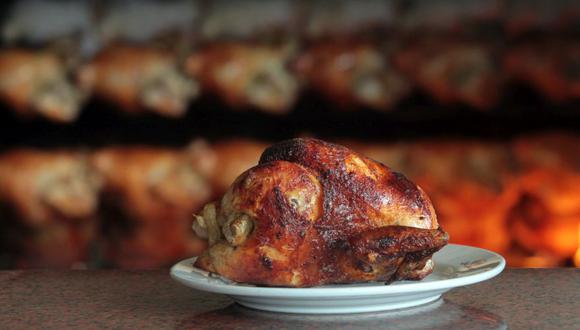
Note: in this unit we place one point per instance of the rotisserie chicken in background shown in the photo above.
(471, 185)
(551, 66)
(138, 79)
(547, 217)
(352, 74)
(50, 200)
(35, 83)
(150, 196)
(452, 72)
(246, 75)
(314, 213)
(233, 157)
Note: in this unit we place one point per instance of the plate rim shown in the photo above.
(337, 291)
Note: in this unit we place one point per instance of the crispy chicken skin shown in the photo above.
(313, 213)
(35, 83)
(246, 75)
(139, 78)
(352, 74)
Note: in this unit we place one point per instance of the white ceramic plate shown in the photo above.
(455, 265)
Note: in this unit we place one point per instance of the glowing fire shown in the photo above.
(577, 255)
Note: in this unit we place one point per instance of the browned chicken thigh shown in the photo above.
(35, 83)
(246, 75)
(313, 213)
(139, 78)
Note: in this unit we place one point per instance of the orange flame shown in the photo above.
(577, 254)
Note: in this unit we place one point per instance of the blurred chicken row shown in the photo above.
(132, 206)
(350, 74)
(159, 56)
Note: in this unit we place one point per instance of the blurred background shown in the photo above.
(120, 119)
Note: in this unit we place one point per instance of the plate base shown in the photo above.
(362, 307)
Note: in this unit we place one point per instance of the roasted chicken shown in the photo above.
(35, 84)
(48, 186)
(138, 79)
(550, 66)
(150, 194)
(471, 185)
(246, 75)
(452, 72)
(313, 213)
(49, 201)
(547, 217)
(352, 74)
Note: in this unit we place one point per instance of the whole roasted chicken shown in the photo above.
(150, 196)
(35, 84)
(246, 75)
(138, 79)
(313, 213)
(453, 72)
(548, 65)
(352, 74)
(48, 205)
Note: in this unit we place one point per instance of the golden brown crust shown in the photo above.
(314, 213)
